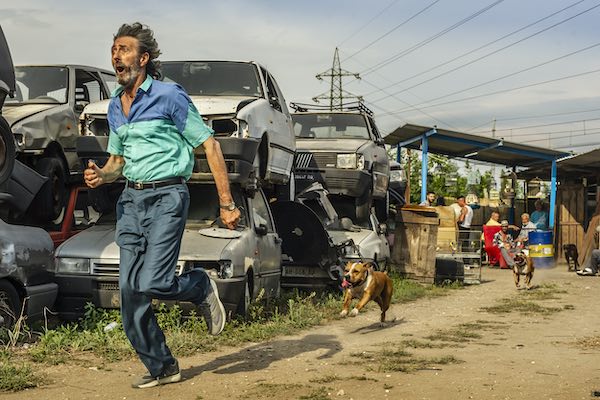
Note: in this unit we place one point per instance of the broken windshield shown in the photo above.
(214, 78)
(330, 126)
(36, 84)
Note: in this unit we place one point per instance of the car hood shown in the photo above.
(98, 242)
(341, 236)
(331, 145)
(15, 113)
(214, 105)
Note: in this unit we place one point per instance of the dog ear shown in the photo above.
(371, 265)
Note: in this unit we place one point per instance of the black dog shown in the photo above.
(572, 256)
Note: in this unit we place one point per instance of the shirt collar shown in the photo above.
(144, 86)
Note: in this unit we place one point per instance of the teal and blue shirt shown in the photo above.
(159, 135)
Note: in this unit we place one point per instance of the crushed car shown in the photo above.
(319, 238)
(345, 152)
(236, 99)
(243, 262)
(43, 115)
(26, 253)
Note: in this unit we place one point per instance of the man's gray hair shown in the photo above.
(147, 44)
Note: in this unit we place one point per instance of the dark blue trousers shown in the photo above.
(150, 224)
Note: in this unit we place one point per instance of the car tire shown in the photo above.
(7, 151)
(51, 199)
(246, 299)
(10, 304)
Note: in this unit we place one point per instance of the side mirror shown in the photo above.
(380, 141)
(261, 230)
(383, 229)
(80, 105)
(274, 102)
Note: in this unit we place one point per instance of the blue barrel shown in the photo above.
(541, 249)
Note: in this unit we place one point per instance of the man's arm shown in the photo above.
(95, 176)
(216, 162)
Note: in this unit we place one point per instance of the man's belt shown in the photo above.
(155, 184)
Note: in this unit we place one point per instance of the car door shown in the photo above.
(268, 244)
(282, 142)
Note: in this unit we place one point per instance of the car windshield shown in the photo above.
(203, 210)
(214, 78)
(36, 84)
(330, 126)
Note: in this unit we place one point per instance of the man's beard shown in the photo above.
(128, 78)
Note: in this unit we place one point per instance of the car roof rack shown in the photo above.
(352, 106)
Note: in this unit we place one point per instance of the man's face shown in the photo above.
(525, 219)
(504, 228)
(431, 197)
(496, 217)
(461, 202)
(126, 60)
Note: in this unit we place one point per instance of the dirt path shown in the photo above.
(483, 355)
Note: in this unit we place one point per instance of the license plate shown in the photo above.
(302, 271)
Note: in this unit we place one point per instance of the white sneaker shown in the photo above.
(215, 320)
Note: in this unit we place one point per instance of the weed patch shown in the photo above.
(400, 360)
(16, 376)
(522, 306)
(590, 342)
(317, 394)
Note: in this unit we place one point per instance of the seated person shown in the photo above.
(504, 241)
(527, 227)
(494, 219)
(592, 261)
(429, 200)
(540, 217)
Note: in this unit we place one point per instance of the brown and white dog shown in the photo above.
(523, 266)
(361, 281)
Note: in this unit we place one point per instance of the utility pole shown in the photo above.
(336, 94)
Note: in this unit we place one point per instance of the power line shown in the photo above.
(544, 125)
(504, 90)
(493, 52)
(589, 132)
(429, 40)
(511, 74)
(392, 30)
(484, 46)
(368, 22)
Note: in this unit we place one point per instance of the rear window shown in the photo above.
(330, 126)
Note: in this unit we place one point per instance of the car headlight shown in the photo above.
(397, 175)
(73, 265)
(360, 162)
(225, 269)
(346, 161)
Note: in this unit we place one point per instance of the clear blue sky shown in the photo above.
(296, 40)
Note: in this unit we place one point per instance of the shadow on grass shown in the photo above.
(262, 355)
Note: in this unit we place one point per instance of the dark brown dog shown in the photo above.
(571, 256)
(361, 281)
(523, 266)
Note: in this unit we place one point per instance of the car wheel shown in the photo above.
(246, 299)
(10, 304)
(51, 199)
(7, 151)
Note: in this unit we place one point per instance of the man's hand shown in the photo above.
(93, 175)
(230, 218)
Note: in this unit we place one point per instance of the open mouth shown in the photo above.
(120, 69)
(346, 284)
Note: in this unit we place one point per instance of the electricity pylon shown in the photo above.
(336, 94)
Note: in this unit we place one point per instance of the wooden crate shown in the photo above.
(415, 243)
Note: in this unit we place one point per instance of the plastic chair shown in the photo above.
(493, 252)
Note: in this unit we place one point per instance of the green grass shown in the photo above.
(16, 376)
(509, 305)
(75, 342)
(397, 359)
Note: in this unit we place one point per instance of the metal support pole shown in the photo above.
(424, 150)
(551, 211)
(398, 158)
